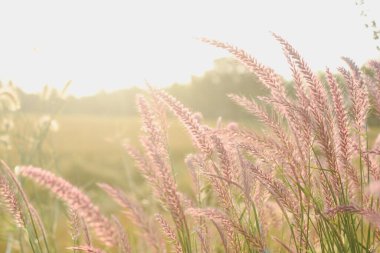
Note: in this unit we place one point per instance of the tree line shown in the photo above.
(206, 94)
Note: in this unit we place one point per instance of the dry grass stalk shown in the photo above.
(135, 213)
(204, 240)
(164, 185)
(124, 244)
(86, 232)
(286, 247)
(371, 216)
(87, 249)
(228, 225)
(197, 131)
(225, 163)
(319, 101)
(169, 233)
(344, 138)
(283, 144)
(358, 94)
(74, 224)
(75, 199)
(144, 166)
(265, 74)
(11, 203)
(156, 151)
(78, 227)
(319, 107)
(31, 217)
(278, 190)
(217, 217)
(39, 222)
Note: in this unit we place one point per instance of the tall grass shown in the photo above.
(307, 182)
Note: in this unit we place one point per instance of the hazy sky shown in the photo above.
(115, 44)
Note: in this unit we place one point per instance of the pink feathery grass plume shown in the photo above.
(267, 75)
(11, 203)
(74, 224)
(134, 212)
(314, 84)
(358, 94)
(371, 216)
(342, 131)
(198, 132)
(124, 244)
(157, 155)
(169, 233)
(75, 199)
(30, 217)
(286, 247)
(374, 189)
(230, 226)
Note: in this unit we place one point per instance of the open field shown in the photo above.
(87, 149)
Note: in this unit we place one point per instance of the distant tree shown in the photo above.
(208, 93)
(370, 22)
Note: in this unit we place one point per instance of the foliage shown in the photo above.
(227, 76)
(370, 21)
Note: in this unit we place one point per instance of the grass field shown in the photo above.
(90, 147)
(87, 149)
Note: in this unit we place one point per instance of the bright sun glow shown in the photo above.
(108, 45)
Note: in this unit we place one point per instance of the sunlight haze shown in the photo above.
(109, 45)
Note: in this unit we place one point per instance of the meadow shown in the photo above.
(302, 174)
(86, 150)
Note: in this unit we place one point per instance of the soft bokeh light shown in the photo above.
(108, 45)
